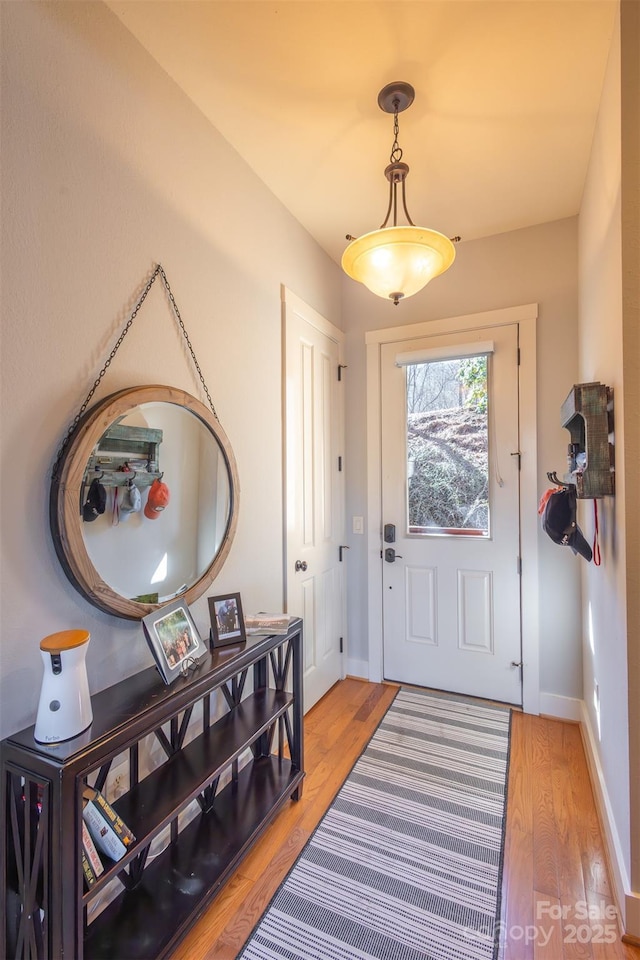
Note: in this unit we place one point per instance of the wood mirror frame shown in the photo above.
(65, 507)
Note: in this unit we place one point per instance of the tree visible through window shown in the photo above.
(447, 446)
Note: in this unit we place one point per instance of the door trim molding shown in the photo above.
(291, 300)
(526, 317)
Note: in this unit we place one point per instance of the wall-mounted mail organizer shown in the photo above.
(587, 413)
(125, 453)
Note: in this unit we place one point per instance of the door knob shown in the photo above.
(300, 565)
(391, 556)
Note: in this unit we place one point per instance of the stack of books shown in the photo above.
(267, 623)
(102, 830)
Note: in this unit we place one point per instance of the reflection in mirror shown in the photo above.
(144, 504)
(158, 555)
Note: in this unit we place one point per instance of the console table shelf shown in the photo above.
(160, 909)
(43, 888)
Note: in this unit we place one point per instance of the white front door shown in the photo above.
(314, 492)
(450, 495)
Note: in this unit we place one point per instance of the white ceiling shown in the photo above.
(498, 136)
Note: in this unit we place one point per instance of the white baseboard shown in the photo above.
(626, 902)
(357, 668)
(564, 708)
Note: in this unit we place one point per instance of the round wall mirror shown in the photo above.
(144, 502)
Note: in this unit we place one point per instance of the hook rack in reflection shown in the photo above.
(121, 446)
(554, 478)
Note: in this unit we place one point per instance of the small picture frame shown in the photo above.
(227, 621)
(173, 639)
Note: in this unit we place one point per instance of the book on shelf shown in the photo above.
(87, 869)
(92, 865)
(267, 623)
(109, 832)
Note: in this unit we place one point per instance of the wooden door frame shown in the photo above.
(291, 301)
(526, 317)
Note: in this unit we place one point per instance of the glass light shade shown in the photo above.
(397, 262)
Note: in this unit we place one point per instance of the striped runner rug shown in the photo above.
(407, 862)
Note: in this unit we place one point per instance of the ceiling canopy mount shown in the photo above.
(396, 97)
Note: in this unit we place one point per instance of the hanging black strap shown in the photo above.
(596, 535)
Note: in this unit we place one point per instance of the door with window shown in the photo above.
(450, 492)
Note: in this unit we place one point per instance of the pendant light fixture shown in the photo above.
(397, 261)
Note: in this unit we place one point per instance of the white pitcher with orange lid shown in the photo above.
(64, 710)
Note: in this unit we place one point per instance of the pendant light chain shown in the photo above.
(396, 151)
(125, 330)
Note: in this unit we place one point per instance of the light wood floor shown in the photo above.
(554, 857)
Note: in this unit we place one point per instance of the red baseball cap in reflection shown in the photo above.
(157, 500)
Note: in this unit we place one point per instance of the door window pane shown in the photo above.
(448, 447)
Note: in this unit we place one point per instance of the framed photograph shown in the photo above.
(227, 622)
(174, 640)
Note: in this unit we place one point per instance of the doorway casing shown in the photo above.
(526, 318)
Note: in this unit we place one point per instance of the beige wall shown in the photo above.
(107, 168)
(630, 216)
(536, 265)
(609, 321)
(604, 614)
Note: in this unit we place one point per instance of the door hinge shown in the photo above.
(341, 645)
(339, 464)
(341, 367)
(519, 566)
(518, 358)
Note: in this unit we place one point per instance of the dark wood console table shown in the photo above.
(160, 895)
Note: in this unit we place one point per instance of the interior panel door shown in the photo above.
(315, 582)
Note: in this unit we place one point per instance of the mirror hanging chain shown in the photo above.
(74, 425)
